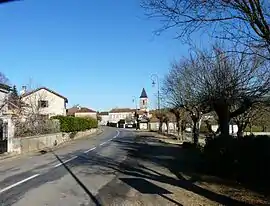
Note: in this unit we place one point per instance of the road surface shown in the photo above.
(117, 167)
(62, 177)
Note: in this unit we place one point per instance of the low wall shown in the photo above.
(257, 133)
(40, 142)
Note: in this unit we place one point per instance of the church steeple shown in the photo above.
(143, 100)
(143, 94)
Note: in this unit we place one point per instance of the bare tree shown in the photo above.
(180, 117)
(4, 79)
(228, 84)
(30, 116)
(243, 22)
(183, 91)
(161, 116)
(231, 83)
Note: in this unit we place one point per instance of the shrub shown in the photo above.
(40, 126)
(244, 159)
(75, 124)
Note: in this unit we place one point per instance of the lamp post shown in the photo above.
(136, 115)
(134, 99)
(155, 80)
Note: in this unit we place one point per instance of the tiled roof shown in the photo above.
(122, 110)
(49, 90)
(103, 113)
(84, 109)
(4, 87)
(73, 110)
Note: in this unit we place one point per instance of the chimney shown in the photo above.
(23, 91)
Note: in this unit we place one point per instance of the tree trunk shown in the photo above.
(160, 126)
(179, 130)
(240, 132)
(167, 125)
(195, 132)
(224, 119)
(178, 127)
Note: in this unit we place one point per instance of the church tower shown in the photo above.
(143, 101)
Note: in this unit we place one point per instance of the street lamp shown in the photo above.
(134, 99)
(155, 80)
(136, 115)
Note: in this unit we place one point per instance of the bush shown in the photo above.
(254, 128)
(244, 159)
(75, 124)
(40, 126)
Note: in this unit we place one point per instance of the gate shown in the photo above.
(3, 136)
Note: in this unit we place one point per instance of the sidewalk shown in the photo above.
(161, 174)
(172, 138)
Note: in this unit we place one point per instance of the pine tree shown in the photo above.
(15, 92)
(14, 96)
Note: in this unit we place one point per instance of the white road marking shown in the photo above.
(110, 139)
(18, 183)
(59, 164)
(89, 150)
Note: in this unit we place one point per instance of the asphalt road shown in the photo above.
(67, 176)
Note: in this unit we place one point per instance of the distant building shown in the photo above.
(143, 101)
(128, 115)
(78, 111)
(117, 114)
(104, 118)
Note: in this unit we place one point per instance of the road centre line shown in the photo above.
(59, 164)
(89, 150)
(18, 183)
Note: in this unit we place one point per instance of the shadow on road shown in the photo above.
(92, 197)
(160, 154)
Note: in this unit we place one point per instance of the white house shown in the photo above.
(45, 101)
(120, 113)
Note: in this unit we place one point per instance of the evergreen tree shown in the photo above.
(14, 96)
(15, 91)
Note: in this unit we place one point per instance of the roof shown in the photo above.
(5, 87)
(84, 109)
(143, 94)
(141, 112)
(104, 113)
(122, 110)
(73, 110)
(49, 90)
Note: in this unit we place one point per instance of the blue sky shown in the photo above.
(98, 53)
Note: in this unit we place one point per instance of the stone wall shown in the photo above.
(41, 142)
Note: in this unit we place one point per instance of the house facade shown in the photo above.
(117, 114)
(44, 101)
(78, 111)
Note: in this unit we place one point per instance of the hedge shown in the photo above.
(244, 159)
(75, 124)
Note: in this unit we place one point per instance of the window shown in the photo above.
(43, 103)
(143, 102)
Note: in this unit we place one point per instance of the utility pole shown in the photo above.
(155, 80)
(136, 115)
